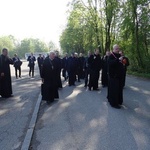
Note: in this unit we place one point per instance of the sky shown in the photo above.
(43, 19)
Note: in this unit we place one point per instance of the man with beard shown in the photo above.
(50, 82)
(5, 74)
(94, 62)
(115, 78)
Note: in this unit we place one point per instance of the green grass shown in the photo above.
(139, 74)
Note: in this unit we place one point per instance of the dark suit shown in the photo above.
(17, 65)
(31, 64)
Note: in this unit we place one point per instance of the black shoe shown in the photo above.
(89, 88)
(116, 106)
(96, 89)
(7, 96)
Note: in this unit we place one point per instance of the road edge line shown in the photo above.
(28, 137)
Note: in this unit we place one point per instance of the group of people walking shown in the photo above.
(73, 68)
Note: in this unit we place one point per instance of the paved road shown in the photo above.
(79, 120)
(83, 120)
(16, 112)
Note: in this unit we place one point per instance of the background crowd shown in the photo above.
(73, 68)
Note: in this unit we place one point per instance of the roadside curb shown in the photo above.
(28, 137)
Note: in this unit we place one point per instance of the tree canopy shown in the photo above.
(26, 45)
(102, 23)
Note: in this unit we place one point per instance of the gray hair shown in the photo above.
(116, 45)
(51, 52)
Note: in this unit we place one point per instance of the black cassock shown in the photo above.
(104, 77)
(49, 74)
(115, 80)
(5, 81)
(94, 62)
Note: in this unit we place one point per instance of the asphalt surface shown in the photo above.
(83, 120)
(78, 120)
(16, 112)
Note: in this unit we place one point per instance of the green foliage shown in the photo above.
(24, 46)
(104, 23)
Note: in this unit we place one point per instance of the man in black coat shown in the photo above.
(72, 67)
(49, 77)
(64, 67)
(115, 78)
(40, 61)
(31, 64)
(94, 62)
(59, 63)
(81, 64)
(17, 65)
(5, 74)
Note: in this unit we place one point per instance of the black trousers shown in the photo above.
(16, 71)
(31, 71)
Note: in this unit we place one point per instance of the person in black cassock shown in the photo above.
(94, 62)
(72, 67)
(115, 78)
(81, 64)
(49, 77)
(104, 76)
(64, 67)
(5, 74)
(17, 65)
(31, 64)
(40, 61)
(86, 69)
(59, 63)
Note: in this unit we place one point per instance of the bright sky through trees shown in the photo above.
(43, 19)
